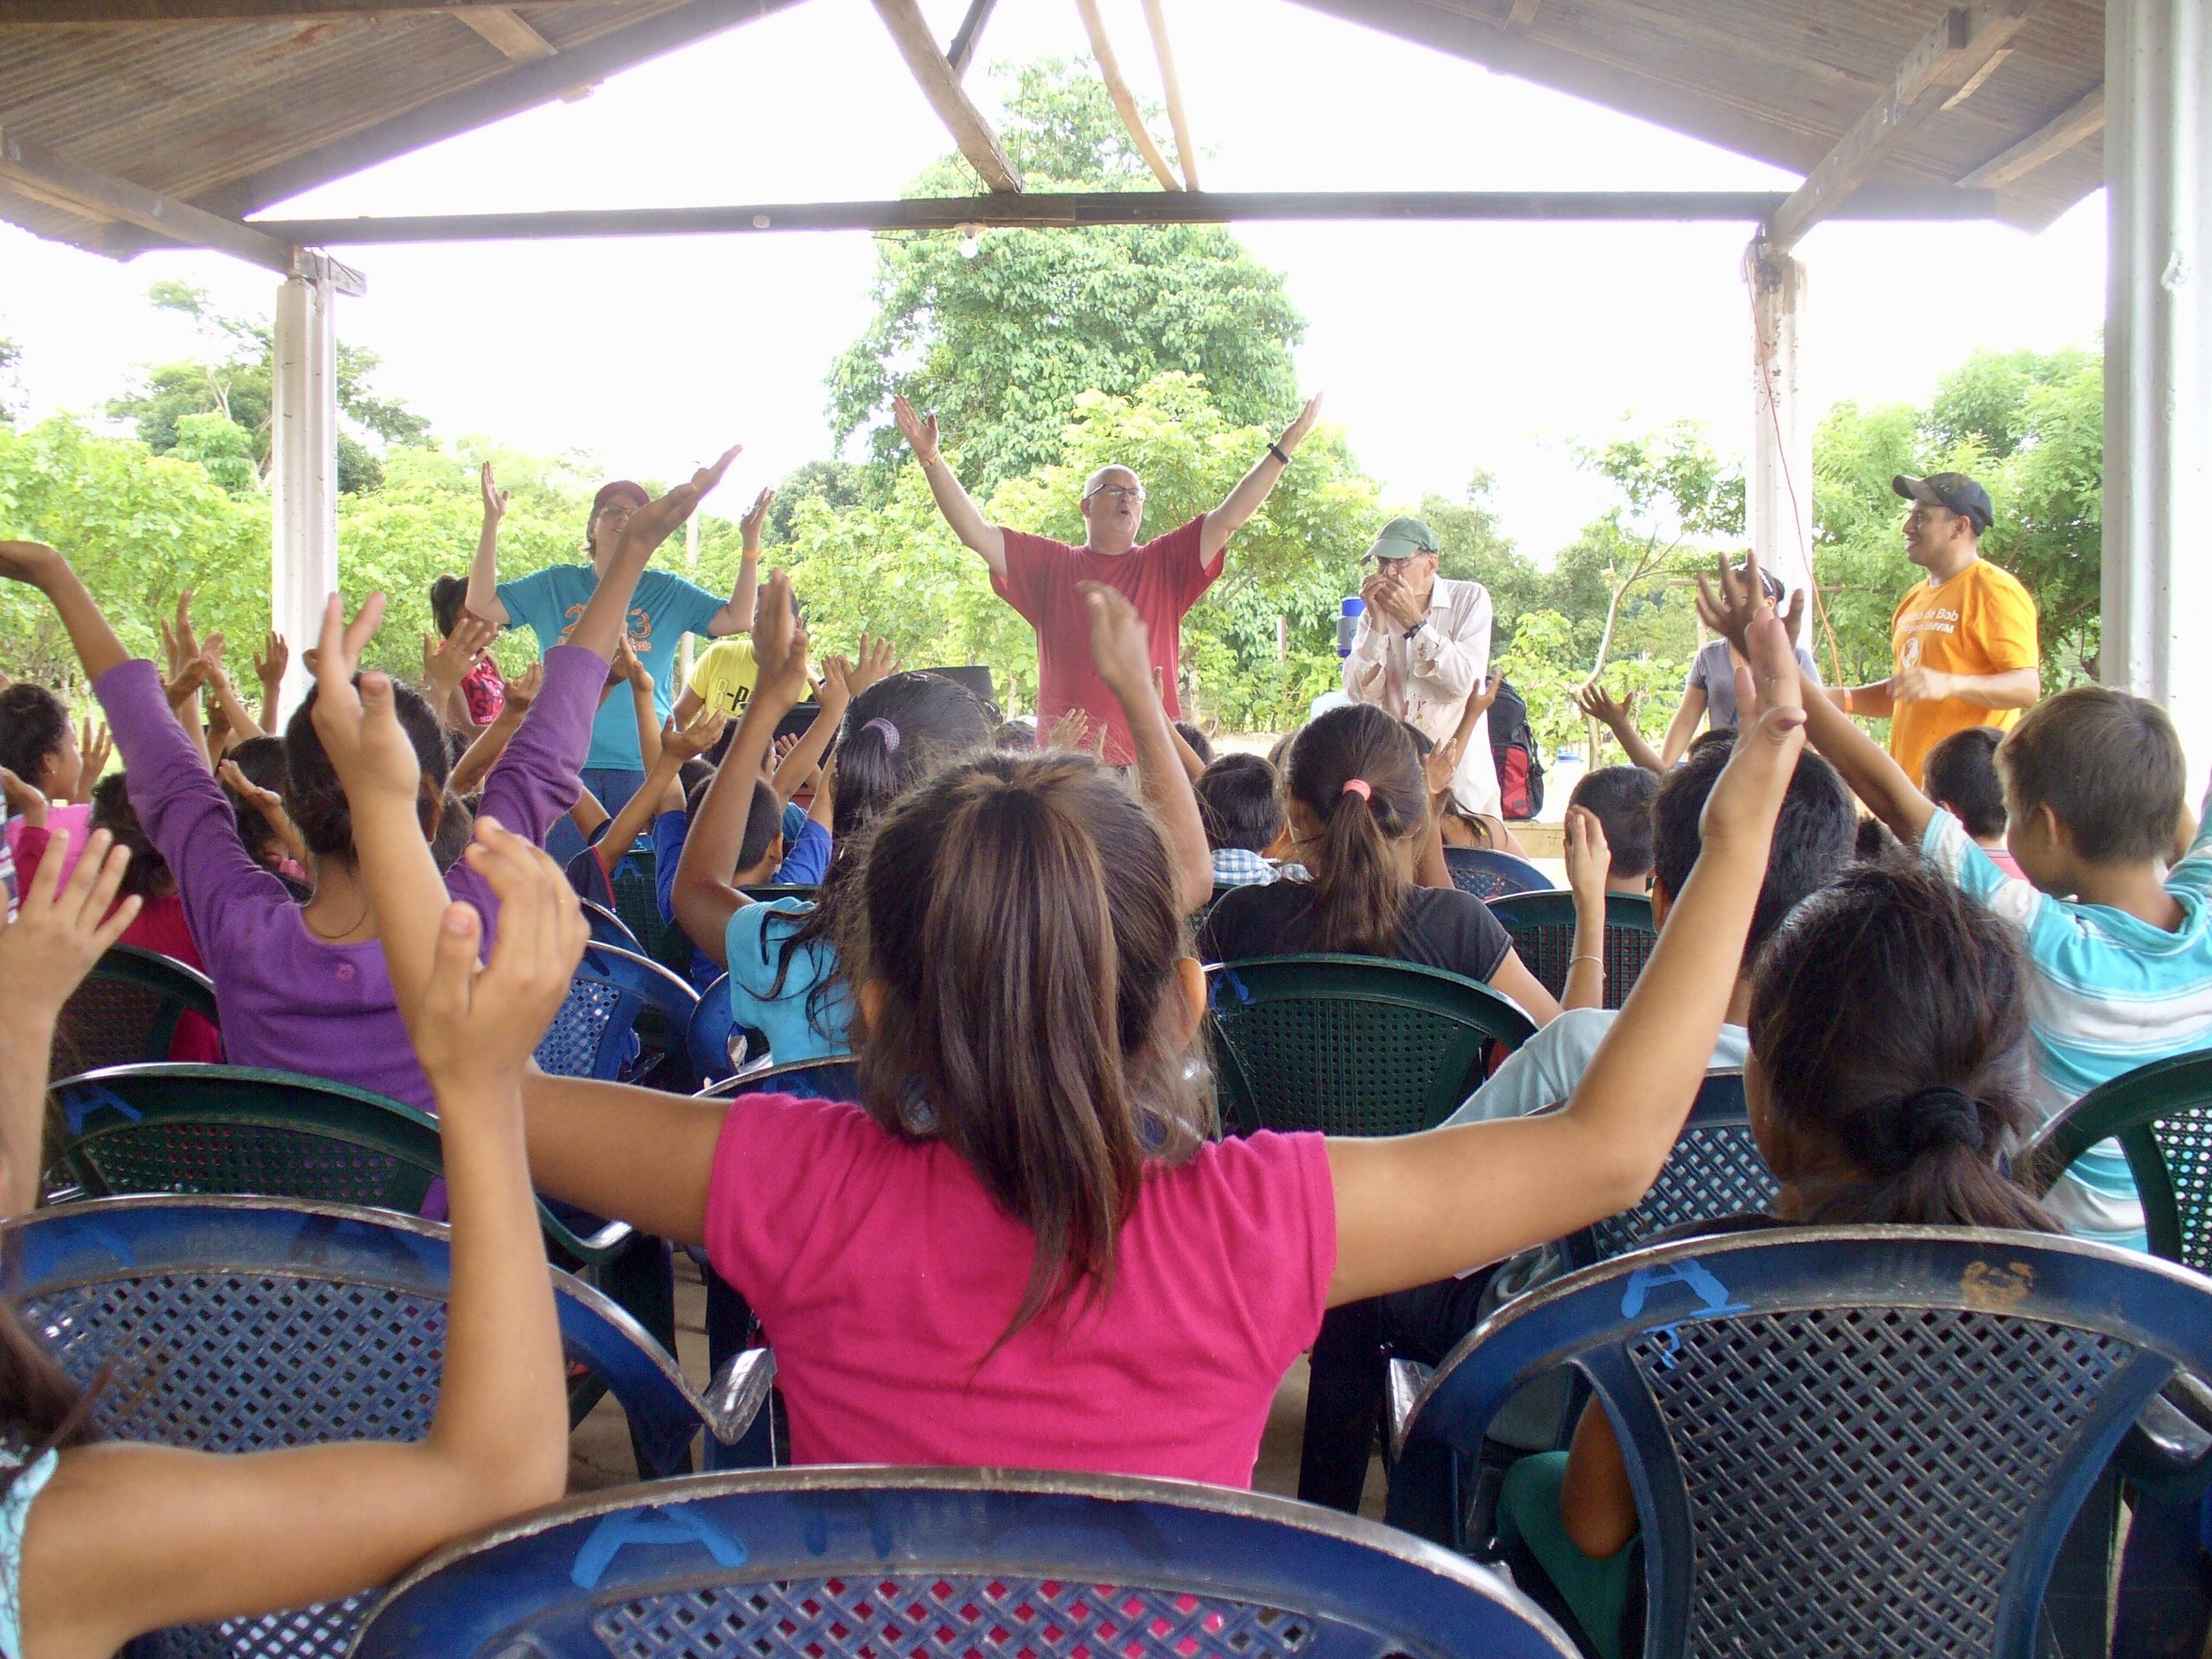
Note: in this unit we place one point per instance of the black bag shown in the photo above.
(1513, 747)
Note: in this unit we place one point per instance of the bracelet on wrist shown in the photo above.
(1587, 956)
(1279, 452)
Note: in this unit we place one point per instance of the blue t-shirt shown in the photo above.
(550, 602)
(15, 1510)
(803, 865)
(754, 946)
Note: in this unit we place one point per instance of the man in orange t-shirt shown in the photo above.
(1963, 641)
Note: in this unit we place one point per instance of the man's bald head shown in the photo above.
(1105, 476)
(1113, 509)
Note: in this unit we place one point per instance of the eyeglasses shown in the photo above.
(1119, 492)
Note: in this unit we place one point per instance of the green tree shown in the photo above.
(233, 381)
(1471, 546)
(11, 387)
(1001, 337)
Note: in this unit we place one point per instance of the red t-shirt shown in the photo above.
(1162, 578)
(883, 1272)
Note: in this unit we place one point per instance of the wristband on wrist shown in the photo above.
(1277, 451)
(1846, 699)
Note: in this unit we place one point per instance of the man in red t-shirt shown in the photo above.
(1162, 578)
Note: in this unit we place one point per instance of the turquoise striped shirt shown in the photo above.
(2109, 993)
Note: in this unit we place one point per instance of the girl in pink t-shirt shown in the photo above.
(1022, 1249)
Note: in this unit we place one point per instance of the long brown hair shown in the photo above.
(1355, 770)
(1889, 1021)
(1020, 918)
(41, 1408)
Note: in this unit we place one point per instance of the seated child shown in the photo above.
(41, 749)
(2120, 943)
(1959, 775)
(1240, 803)
(1872, 1101)
(1619, 797)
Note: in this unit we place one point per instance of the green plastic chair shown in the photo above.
(1543, 929)
(127, 1010)
(1351, 1045)
(225, 1130)
(2162, 1115)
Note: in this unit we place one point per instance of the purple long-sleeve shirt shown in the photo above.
(288, 999)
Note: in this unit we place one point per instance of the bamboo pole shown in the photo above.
(1110, 72)
(1186, 152)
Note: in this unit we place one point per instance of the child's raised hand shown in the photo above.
(689, 743)
(780, 646)
(30, 562)
(755, 516)
(627, 663)
(476, 1027)
(1589, 860)
(355, 717)
(879, 661)
(522, 690)
(1732, 602)
(22, 798)
(1601, 705)
(1120, 649)
(921, 435)
(653, 523)
(495, 497)
(275, 657)
(96, 743)
(1769, 738)
(61, 929)
(1439, 766)
(1070, 731)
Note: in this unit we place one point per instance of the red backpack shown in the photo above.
(1513, 749)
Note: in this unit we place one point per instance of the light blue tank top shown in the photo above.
(15, 1509)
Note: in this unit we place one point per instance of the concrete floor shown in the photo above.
(599, 1450)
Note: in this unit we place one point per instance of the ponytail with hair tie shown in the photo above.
(1359, 787)
(1932, 1120)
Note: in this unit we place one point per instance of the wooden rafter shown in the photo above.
(1947, 62)
(968, 36)
(1125, 101)
(95, 13)
(504, 28)
(2081, 119)
(32, 171)
(1523, 14)
(932, 72)
(1172, 83)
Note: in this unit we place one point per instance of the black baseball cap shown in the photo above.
(1953, 490)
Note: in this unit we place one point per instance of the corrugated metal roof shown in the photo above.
(234, 116)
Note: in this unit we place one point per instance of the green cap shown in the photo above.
(1402, 539)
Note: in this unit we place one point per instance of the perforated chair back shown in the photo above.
(245, 1324)
(809, 1079)
(625, 1018)
(1351, 1045)
(712, 1035)
(834, 1563)
(1714, 1170)
(127, 1010)
(1842, 1439)
(1493, 875)
(2162, 1115)
(228, 1130)
(1543, 929)
(631, 891)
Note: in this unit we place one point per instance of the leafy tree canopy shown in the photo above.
(1002, 339)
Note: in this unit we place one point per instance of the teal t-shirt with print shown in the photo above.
(550, 602)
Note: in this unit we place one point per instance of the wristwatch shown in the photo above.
(1417, 627)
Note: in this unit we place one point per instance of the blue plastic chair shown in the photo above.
(1714, 1170)
(1493, 875)
(832, 1563)
(837, 1077)
(711, 1034)
(241, 1325)
(625, 1021)
(1841, 1440)
(607, 928)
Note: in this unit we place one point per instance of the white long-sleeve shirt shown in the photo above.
(1434, 672)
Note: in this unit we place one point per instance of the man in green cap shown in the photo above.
(1423, 650)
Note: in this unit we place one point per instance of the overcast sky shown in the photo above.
(1443, 349)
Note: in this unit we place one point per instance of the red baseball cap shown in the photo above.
(621, 486)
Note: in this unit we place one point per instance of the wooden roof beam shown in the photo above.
(2081, 119)
(32, 171)
(1949, 61)
(933, 71)
(968, 36)
(98, 13)
(504, 28)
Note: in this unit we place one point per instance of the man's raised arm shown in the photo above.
(960, 512)
(1250, 490)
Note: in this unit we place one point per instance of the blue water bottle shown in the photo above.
(1347, 623)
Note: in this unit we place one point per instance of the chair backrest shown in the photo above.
(1714, 1170)
(607, 928)
(832, 1563)
(767, 892)
(1543, 929)
(625, 1017)
(711, 1034)
(1846, 1440)
(230, 1130)
(127, 1010)
(2162, 1115)
(1493, 875)
(1351, 1045)
(631, 891)
(243, 1325)
(809, 1079)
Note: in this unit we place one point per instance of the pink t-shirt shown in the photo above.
(883, 1272)
(1163, 579)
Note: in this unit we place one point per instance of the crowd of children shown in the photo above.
(1024, 1242)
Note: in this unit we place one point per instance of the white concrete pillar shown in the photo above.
(1778, 485)
(2158, 361)
(304, 471)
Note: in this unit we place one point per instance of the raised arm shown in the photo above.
(1680, 730)
(477, 759)
(737, 616)
(1416, 1208)
(38, 566)
(1588, 860)
(606, 615)
(1866, 766)
(841, 682)
(268, 668)
(1124, 661)
(704, 896)
(483, 590)
(673, 748)
(952, 501)
(1599, 704)
(1245, 497)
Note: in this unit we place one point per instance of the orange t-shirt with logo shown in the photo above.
(1982, 621)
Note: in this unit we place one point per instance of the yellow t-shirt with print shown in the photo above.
(1982, 621)
(725, 674)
